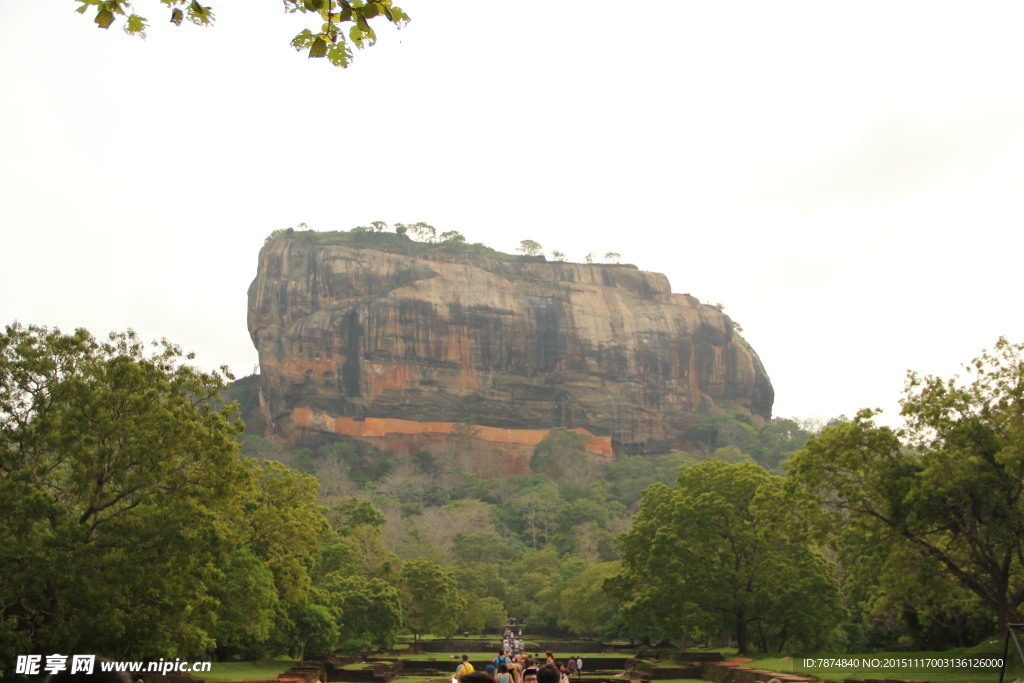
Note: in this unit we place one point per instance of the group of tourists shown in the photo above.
(512, 641)
(513, 665)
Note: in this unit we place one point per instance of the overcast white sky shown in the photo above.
(847, 178)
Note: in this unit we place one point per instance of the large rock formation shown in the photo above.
(439, 336)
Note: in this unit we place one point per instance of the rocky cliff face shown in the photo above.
(439, 337)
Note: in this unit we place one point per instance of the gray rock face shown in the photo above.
(440, 337)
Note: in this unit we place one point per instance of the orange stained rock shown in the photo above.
(381, 427)
(390, 376)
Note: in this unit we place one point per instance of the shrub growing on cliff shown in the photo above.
(529, 248)
(398, 242)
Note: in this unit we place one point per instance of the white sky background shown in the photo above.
(847, 178)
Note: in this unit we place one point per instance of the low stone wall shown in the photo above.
(431, 667)
(460, 645)
(355, 676)
(730, 673)
(694, 671)
(464, 645)
(571, 647)
(168, 678)
(378, 672)
(688, 656)
(307, 671)
(337, 661)
(531, 647)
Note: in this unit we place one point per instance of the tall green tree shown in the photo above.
(370, 610)
(285, 527)
(432, 599)
(122, 488)
(537, 509)
(585, 604)
(935, 611)
(312, 628)
(247, 605)
(725, 549)
(482, 578)
(482, 613)
(950, 485)
(777, 439)
(338, 16)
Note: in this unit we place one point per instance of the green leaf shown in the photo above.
(104, 18)
(356, 34)
(319, 48)
(372, 10)
(339, 54)
(136, 26)
(400, 18)
(199, 15)
(303, 39)
(176, 16)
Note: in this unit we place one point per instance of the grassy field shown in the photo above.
(241, 671)
(785, 665)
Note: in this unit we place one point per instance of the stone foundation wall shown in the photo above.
(727, 673)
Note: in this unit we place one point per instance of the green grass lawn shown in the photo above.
(934, 675)
(241, 671)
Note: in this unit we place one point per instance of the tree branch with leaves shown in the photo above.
(330, 41)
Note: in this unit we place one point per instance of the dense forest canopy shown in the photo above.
(241, 547)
